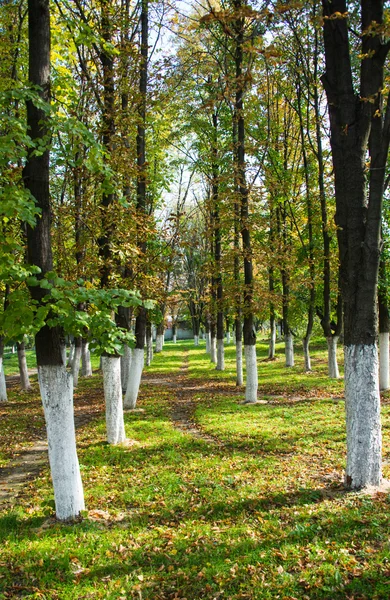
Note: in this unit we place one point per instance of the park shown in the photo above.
(194, 299)
(208, 498)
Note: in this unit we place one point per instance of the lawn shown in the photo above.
(260, 513)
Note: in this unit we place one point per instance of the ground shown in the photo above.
(210, 499)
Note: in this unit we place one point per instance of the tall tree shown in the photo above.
(55, 383)
(137, 362)
(360, 131)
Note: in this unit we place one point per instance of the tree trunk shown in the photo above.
(149, 343)
(55, 383)
(134, 380)
(208, 337)
(86, 366)
(71, 354)
(23, 369)
(272, 341)
(125, 366)
(3, 387)
(333, 369)
(137, 362)
(384, 326)
(111, 367)
(306, 353)
(358, 125)
(248, 330)
(159, 337)
(76, 361)
(289, 349)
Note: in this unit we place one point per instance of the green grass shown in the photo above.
(261, 514)
(10, 362)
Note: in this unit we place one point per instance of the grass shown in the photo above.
(260, 514)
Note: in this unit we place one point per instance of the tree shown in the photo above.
(55, 383)
(360, 132)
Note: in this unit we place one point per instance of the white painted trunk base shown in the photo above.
(228, 337)
(208, 343)
(149, 351)
(56, 386)
(333, 367)
(159, 342)
(111, 367)
(384, 361)
(86, 365)
(213, 350)
(76, 365)
(196, 340)
(3, 387)
(134, 380)
(272, 343)
(63, 353)
(251, 374)
(239, 366)
(23, 370)
(362, 403)
(71, 354)
(289, 350)
(125, 366)
(306, 354)
(220, 356)
(174, 338)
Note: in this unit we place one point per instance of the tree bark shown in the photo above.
(3, 386)
(23, 369)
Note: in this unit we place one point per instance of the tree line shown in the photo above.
(226, 161)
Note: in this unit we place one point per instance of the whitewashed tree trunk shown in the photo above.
(306, 354)
(174, 338)
(213, 350)
(289, 350)
(3, 387)
(384, 361)
(125, 366)
(362, 402)
(159, 342)
(196, 340)
(86, 366)
(149, 351)
(71, 355)
(63, 353)
(272, 342)
(228, 338)
(251, 373)
(333, 367)
(111, 366)
(134, 380)
(76, 365)
(208, 343)
(56, 387)
(23, 370)
(239, 367)
(220, 356)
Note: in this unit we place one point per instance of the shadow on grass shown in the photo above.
(200, 561)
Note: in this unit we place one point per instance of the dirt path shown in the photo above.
(30, 462)
(183, 406)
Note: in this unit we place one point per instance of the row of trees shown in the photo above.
(202, 176)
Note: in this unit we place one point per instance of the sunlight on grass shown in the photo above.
(259, 514)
